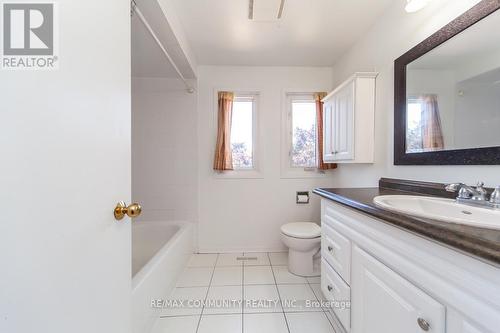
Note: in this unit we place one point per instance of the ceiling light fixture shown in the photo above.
(265, 10)
(250, 9)
(280, 11)
(413, 6)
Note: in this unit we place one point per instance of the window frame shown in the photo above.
(287, 170)
(241, 173)
(292, 98)
(248, 98)
(413, 100)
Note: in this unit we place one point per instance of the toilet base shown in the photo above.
(302, 264)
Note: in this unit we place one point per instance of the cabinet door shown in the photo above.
(344, 123)
(328, 147)
(385, 302)
(457, 322)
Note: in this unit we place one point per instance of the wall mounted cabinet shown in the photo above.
(349, 121)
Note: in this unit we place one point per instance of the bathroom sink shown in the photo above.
(446, 210)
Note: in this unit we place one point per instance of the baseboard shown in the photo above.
(242, 250)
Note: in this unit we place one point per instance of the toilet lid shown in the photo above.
(301, 230)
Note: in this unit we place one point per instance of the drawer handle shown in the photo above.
(424, 325)
(330, 249)
(330, 288)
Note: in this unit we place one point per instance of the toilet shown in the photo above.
(303, 240)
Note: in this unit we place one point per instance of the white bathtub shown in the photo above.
(160, 251)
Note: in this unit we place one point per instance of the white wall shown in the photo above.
(481, 64)
(246, 214)
(164, 149)
(441, 83)
(478, 112)
(395, 33)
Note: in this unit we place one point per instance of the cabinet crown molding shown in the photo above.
(349, 120)
(364, 75)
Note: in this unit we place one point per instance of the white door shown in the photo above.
(344, 124)
(384, 302)
(64, 164)
(328, 148)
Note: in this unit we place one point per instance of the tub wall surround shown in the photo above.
(164, 150)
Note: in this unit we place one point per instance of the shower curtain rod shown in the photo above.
(135, 10)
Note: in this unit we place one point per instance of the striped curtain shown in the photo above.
(432, 132)
(223, 159)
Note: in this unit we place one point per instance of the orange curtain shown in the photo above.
(432, 133)
(223, 159)
(319, 120)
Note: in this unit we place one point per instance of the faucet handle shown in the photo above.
(495, 196)
(453, 187)
(463, 193)
(481, 190)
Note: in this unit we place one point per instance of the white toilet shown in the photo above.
(303, 240)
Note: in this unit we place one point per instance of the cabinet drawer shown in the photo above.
(337, 292)
(336, 250)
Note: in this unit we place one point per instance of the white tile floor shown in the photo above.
(247, 279)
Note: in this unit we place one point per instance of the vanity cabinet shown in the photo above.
(349, 121)
(398, 282)
(390, 303)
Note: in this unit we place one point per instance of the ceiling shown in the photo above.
(310, 33)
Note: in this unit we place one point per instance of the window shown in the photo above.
(302, 134)
(242, 140)
(423, 125)
(242, 132)
(414, 141)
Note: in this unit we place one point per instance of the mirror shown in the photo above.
(453, 92)
(448, 107)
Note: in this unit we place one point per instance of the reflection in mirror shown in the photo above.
(453, 92)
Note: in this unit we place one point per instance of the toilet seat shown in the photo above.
(302, 230)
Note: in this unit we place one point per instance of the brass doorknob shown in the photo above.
(122, 209)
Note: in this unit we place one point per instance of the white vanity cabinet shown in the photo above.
(349, 121)
(390, 303)
(398, 282)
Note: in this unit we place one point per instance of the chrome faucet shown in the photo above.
(468, 192)
(495, 197)
(475, 196)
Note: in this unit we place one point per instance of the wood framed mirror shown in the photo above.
(447, 94)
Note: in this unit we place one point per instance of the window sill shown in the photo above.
(238, 174)
(291, 173)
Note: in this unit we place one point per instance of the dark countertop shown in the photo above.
(483, 244)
